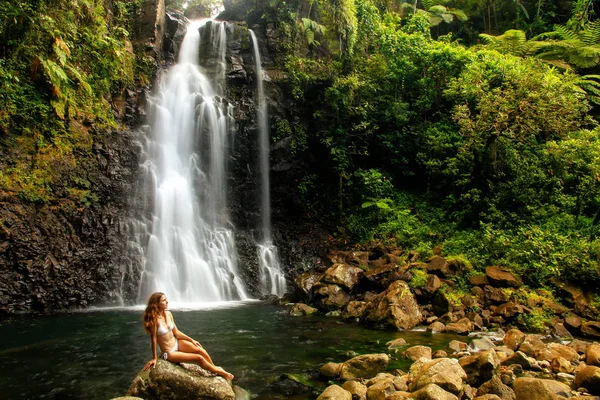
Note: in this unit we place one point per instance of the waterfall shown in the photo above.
(188, 244)
(272, 279)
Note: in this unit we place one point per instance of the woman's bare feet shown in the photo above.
(225, 374)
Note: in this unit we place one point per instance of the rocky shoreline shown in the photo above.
(513, 366)
(387, 288)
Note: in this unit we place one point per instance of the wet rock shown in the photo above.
(592, 354)
(381, 390)
(436, 327)
(441, 267)
(539, 389)
(432, 285)
(560, 331)
(479, 344)
(335, 392)
(588, 377)
(299, 309)
(179, 381)
(495, 386)
(508, 310)
(364, 366)
(480, 367)
(591, 329)
(521, 359)
(356, 389)
(355, 309)
(561, 364)
(440, 303)
(344, 275)
(461, 327)
(417, 352)
(573, 324)
(305, 282)
(494, 295)
(357, 258)
(394, 344)
(457, 346)
(532, 346)
(487, 397)
(444, 372)
(439, 354)
(396, 307)
(329, 297)
(330, 370)
(554, 350)
(501, 277)
(579, 345)
(479, 280)
(432, 392)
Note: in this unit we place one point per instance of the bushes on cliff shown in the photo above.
(490, 155)
(60, 62)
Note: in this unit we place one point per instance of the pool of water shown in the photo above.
(96, 354)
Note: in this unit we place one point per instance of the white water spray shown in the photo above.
(272, 279)
(189, 247)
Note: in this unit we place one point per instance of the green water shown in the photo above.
(96, 354)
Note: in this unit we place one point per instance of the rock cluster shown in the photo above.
(378, 287)
(515, 366)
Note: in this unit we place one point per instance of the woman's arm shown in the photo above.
(180, 335)
(152, 363)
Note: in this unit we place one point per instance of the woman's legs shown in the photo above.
(188, 347)
(180, 356)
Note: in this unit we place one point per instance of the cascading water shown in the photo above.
(188, 246)
(272, 279)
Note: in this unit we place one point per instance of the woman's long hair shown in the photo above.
(151, 312)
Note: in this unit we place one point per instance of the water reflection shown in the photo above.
(96, 354)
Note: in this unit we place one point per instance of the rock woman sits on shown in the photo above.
(175, 346)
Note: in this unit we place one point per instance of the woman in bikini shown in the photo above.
(175, 346)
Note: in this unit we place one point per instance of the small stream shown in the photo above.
(96, 354)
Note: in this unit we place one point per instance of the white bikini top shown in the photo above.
(163, 330)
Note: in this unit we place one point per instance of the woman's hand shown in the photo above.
(151, 363)
(196, 343)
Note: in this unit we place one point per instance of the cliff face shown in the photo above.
(56, 256)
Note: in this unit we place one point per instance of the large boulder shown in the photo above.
(357, 389)
(591, 329)
(415, 353)
(501, 277)
(589, 378)
(592, 354)
(299, 309)
(180, 381)
(354, 309)
(329, 297)
(432, 392)
(305, 282)
(497, 387)
(480, 367)
(441, 267)
(444, 372)
(364, 366)
(554, 350)
(344, 275)
(335, 392)
(539, 389)
(396, 307)
(381, 390)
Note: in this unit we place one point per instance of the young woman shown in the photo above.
(175, 345)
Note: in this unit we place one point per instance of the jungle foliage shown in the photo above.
(60, 61)
(489, 151)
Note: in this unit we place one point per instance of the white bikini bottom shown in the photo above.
(165, 355)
